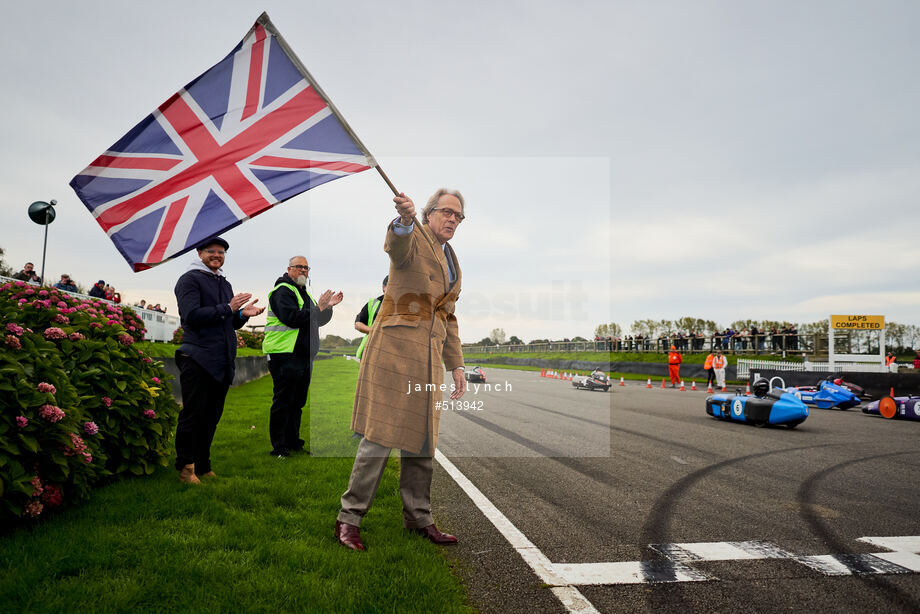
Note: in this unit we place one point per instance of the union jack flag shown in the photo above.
(251, 132)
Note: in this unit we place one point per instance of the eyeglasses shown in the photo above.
(219, 252)
(302, 267)
(450, 213)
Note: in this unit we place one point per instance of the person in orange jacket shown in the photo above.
(719, 362)
(674, 360)
(890, 358)
(707, 366)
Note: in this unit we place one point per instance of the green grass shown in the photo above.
(168, 350)
(258, 538)
(600, 357)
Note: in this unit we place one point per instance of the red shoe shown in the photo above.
(349, 536)
(436, 537)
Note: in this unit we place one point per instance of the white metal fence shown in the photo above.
(745, 366)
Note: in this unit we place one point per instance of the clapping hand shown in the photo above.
(238, 300)
(251, 309)
(327, 299)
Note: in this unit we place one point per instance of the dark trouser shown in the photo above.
(291, 379)
(202, 405)
(710, 376)
(415, 471)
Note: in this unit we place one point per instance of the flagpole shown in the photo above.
(387, 179)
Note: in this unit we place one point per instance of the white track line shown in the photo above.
(571, 597)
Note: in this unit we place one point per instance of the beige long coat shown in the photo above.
(413, 338)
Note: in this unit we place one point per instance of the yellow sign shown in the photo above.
(857, 322)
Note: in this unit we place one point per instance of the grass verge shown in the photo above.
(168, 350)
(258, 538)
(693, 359)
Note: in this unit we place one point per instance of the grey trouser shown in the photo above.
(414, 484)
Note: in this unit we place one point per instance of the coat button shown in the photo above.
(431, 278)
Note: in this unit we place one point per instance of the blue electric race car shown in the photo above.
(766, 406)
(906, 408)
(826, 395)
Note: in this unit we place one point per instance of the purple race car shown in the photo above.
(906, 408)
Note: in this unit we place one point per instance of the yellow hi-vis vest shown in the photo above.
(372, 306)
(279, 338)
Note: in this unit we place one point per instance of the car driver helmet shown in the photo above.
(761, 387)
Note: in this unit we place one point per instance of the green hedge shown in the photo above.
(78, 403)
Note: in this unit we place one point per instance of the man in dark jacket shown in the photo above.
(291, 342)
(209, 312)
(98, 289)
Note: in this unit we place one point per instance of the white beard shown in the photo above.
(301, 281)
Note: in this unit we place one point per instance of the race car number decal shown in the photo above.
(737, 407)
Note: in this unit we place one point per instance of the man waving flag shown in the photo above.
(249, 133)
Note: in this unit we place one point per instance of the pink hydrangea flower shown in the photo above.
(43, 293)
(150, 413)
(30, 291)
(62, 305)
(15, 329)
(61, 319)
(107, 401)
(90, 428)
(87, 458)
(131, 328)
(51, 413)
(19, 284)
(147, 360)
(21, 301)
(76, 337)
(52, 495)
(46, 387)
(112, 322)
(95, 325)
(36, 483)
(33, 509)
(125, 339)
(54, 333)
(22, 422)
(156, 380)
(13, 342)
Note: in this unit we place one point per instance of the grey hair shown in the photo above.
(293, 258)
(433, 202)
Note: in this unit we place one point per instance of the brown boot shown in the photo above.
(187, 475)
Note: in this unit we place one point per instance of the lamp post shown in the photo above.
(43, 213)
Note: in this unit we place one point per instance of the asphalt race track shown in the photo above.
(642, 502)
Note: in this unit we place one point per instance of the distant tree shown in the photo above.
(333, 341)
(535, 341)
(498, 336)
(608, 330)
(601, 330)
(515, 340)
(578, 339)
(485, 341)
(4, 269)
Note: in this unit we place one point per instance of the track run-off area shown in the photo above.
(636, 500)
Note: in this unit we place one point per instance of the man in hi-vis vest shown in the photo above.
(291, 342)
(365, 319)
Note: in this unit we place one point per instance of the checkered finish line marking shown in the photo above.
(903, 558)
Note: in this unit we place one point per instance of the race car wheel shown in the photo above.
(606, 388)
(792, 425)
(888, 407)
(759, 424)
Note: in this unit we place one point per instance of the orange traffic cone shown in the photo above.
(649, 384)
(692, 384)
(747, 388)
(682, 389)
(891, 392)
(622, 383)
(709, 388)
(723, 388)
(662, 382)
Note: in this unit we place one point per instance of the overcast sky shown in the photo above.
(620, 160)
